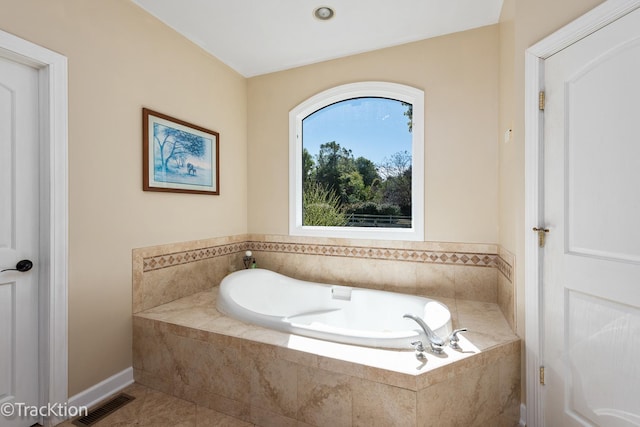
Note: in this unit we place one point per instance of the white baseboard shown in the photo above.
(102, 390)
(523, 415)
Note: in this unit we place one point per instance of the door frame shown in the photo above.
(53, 256)
(535, 56)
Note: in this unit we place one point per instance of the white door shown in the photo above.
(19, 234)
(591, 260)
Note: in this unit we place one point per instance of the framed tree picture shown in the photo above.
(178, 156)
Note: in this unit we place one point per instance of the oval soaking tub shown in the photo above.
(330, 312)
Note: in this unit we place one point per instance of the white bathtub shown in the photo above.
(334, 313)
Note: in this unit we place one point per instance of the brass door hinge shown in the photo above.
(542, 375)
(541, 235)
(541, 99)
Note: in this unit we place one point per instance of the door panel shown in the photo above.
(7, 100)
(6, 338)
(599, 332)
(19, 234)
(591, 262)
(602, 163)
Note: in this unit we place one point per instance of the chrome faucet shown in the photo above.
(435, 342)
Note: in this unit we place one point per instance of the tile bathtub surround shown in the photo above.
(188, 349)
(506, 300)
(482, 255)
(506, 288)
(168, 272)
(454, 270)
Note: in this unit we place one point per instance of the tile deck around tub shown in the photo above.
(187, 349)
(196, 317)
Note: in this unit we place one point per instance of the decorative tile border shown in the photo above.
(184, 257)
(505, 268)
(362, 252)
(391, 254)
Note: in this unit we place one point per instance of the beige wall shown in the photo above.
(459, 75)
(522, 24)
(511, 172)
(121, 59)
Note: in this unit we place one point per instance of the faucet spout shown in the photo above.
(435, 341)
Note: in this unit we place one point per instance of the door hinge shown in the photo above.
(541, 100)
(542, 375)
(541, 235)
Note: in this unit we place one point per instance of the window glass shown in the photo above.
(356, 165)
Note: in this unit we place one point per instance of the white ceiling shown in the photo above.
(261, 36)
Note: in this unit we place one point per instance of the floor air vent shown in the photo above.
(103, 410)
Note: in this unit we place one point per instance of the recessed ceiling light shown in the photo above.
(323, 13)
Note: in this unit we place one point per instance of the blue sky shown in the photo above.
(373, 128)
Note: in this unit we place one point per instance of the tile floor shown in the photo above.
(152, 408)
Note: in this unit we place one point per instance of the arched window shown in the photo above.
(356, 163)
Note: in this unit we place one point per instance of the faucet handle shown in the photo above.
(419, 349)
(454, 339)
(418, 346)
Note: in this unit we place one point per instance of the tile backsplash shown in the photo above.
(481, 272)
